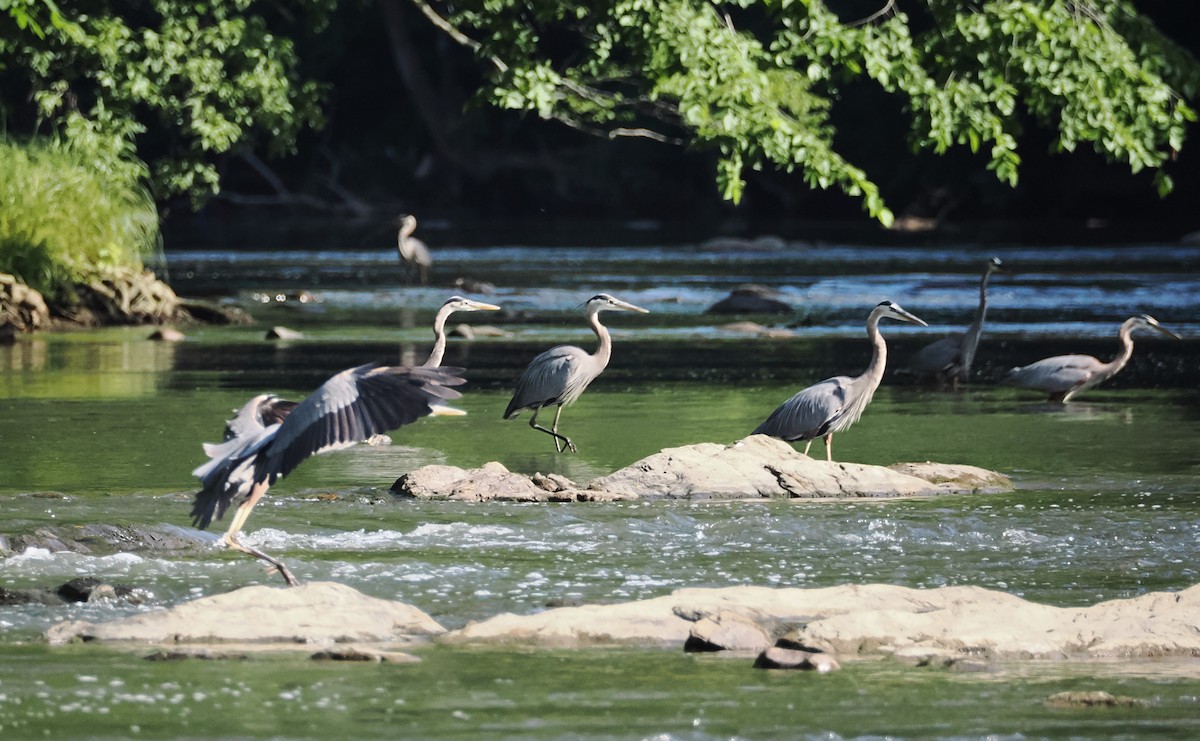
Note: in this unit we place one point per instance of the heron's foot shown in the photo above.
(283, 571)
(562, 443)
(273, 564)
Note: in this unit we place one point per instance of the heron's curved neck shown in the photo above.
(971, 337)
(604, 351)
(1125, 336)
(981, 312)
(439, 338)
(402, 239)
(874, 372)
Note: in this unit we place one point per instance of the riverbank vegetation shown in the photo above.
(65, 222)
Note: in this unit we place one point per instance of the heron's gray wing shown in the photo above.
(351, 407)
(809, 413)
(229, 474)
(262, 411)
(546, 379)
(939, 356)
(1054, 375)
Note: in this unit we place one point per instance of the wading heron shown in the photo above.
(453, 304)
(267, 439)
(414, 254)
(949, 359)
(1064, 376)
(559, 375)
(833, 405)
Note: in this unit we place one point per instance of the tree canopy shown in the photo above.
(164, 91)
(757, 79)
(159, 89)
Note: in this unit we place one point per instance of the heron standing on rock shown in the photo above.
(1064, 376)
(269, 437)
(559, 375)
(833, 405)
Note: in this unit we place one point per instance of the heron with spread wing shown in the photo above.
(269, 437)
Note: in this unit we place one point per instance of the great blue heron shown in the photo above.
(949, 359)
(453, 304)
(833, 405)
(559, 375)
(267, 439)
(1064, 376)
(414, 253)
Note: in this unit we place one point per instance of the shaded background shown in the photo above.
(457, 162)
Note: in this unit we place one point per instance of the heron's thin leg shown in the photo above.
(829, 447)
(230, 538)
(807, 446)
(553, 433)
(570, 444)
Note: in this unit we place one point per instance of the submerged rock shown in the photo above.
(167, 334)
(283, 333)
(91, 589)
(751, 298)
(1097, 699)
(100, 539)
(777, 657)
(320, 612)
(877, 619)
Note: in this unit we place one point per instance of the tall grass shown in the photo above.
(64, 222)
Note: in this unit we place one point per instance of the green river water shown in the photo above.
(105, 427)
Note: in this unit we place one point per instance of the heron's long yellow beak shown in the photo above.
(437, 410)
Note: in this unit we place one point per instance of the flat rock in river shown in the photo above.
(761, 466)
(876, 619)
(319, 612)
(491, 482)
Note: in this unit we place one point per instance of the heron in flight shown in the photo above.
(559, 375)
(414, 253)
(833, 405)
(949, 359)
(1064, 376)
(269, 436)
(453, 304)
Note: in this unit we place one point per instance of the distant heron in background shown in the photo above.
(833, 405)
(269, 436)
(949, 359)
(453, 304)
(559, 375)
(1064, 376)
(414, 254)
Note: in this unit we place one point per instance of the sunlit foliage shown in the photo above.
(63, 222)
(174, 84)
(756, 79)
